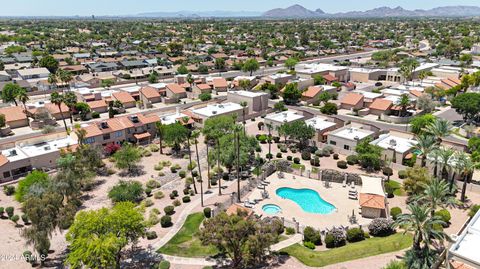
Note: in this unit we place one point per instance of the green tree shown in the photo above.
(319, 80)
(50, 63)
(70, 99)
(291, 94)
(98, 237)
(106, 83)
(467, 105)
(329, 109)
(127, 157)
(436, 194)
(298, 131)
(182, 70)
(160, 127)
(57, 99)
(425, 144)
(290, 63)
(251, 65)
(126, 191)
(417, 178)
(440, 128)
(206, 96)
(36, 177)
(83, 109)
(153, 77)
(419, 123)
(219, 63)
(175, 134)
(404, 103)
(369, 155)
(10, 92)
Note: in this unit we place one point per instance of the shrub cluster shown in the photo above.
(381, 227)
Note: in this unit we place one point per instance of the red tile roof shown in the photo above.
(123, 97)
(312, 91)
(220, 83)
(149, 92)
(13, 113)
(175, 88)
(97, 104)
(372, 201)
(330, 78)
(381, 104)
(352, 99)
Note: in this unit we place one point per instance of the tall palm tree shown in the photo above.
(244, 105)
(70, 99)
(237, 131)
(467, 167)
(189, 136)
(195, 135)
(81, 133)
(404, 103)
(22, 96)
(269, 140)
(422, 225)
(436, 194)
(209, 184)
(439, 128)
(53, 80)
(425, 144)
(57, 99)
(435, 160)
(445, 157)
(422, 75)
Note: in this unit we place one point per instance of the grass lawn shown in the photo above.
(352, 251)
(298, 166)
(186, 242)
(398, 188)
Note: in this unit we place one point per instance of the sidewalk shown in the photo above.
(297, 238)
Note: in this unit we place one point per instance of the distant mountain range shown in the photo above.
(298, 11)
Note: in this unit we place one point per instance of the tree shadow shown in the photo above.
(135, 171)
(139, 257)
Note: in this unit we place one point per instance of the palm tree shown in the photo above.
(189, 136)
(244, 84)
(195, 135)
(22, 96)
(209, 185)
(422, 225)
(190, 80)
(57, 99)
(426, 143)
(466, 166)
(404, 103)
(435, 160)
(445, 155)
(81, 133)
(436, 194)
(237, 131)
(53, 80)
(269, 140)
(159, 126)
(244, 105)
(439, 128)
(70, 99)
(422, 75)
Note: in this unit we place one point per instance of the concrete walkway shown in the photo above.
(188, 261)
(297, 238)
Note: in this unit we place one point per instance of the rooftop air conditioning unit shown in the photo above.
(214, 112)
(13, 152)
(393, 142)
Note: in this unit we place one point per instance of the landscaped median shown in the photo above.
(186, 242)
(369, 247)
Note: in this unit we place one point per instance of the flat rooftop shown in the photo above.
(369, 95)
(352, 133)
(131, 89)
(466, 245)
(217, 109)
(171, 118)
(319, 123)
(400, 144)
(248, 93)
(285, 116)
(47, 146)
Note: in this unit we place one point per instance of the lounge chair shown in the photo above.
(260, 186)
(264, 183)
(247, 205)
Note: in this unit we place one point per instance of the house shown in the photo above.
(14, 116)
(278, 78)
(397, 146)
(312, 93)
(185, 118)
(256, 101)
(125, 98)
(132, 64)
(175, 92)
(149, 95)
(380, 106)
(198, 89)
(352, 101)
(4, 76)
(251, 79)
(372, 198)
(136, 128)
(103, 67)
(347, 137)
(99, 106)
(322, 126)
(335, 73)
(36, 153)
(219, 84)
(215, 110)
(280, 118)
(365, 75)
(33, 73)
(463, 253)
(75, 69)
(55, 110)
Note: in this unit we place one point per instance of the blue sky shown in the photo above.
(123, 7)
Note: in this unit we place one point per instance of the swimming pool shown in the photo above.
(309, 200)
(271, 209)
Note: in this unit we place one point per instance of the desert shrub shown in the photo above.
(293, 150)
(395, 265)
(381, 227)
(186, 199)
(445, 215)
(329, 241)
(152, 220)
(395, 211)
(342, 164)
(186, 191)
(289, 230)
(309, 245)
(166, 221)
(28, 256)
(95, 115)
(154, 148)
(176, 202)
(389, 189)
(126, 191)
(182, 174)
(402, 174)
(9, 210)
(355, 235)
(276, 139)
(207, 211)
(15, 219)
(169, 210)
(158, 167)
(289, 158)
(172, 196)
(473, 210)
(164, 265)
(9, 189)
(161, 174)
(279, 155)
(306, 155)
(296, 160)
(173, 169)
(338, 236)
(325, 152)
(315, 161)
(151, 235)
(352, 159)
(312, 235)
(148, 202)
(269, 156)
(152, 184)
(335, 156)
(148, 191)
(25, 219)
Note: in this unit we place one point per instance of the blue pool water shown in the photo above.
(309, 200)
(271, 209)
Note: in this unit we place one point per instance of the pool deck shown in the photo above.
(336, 195)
